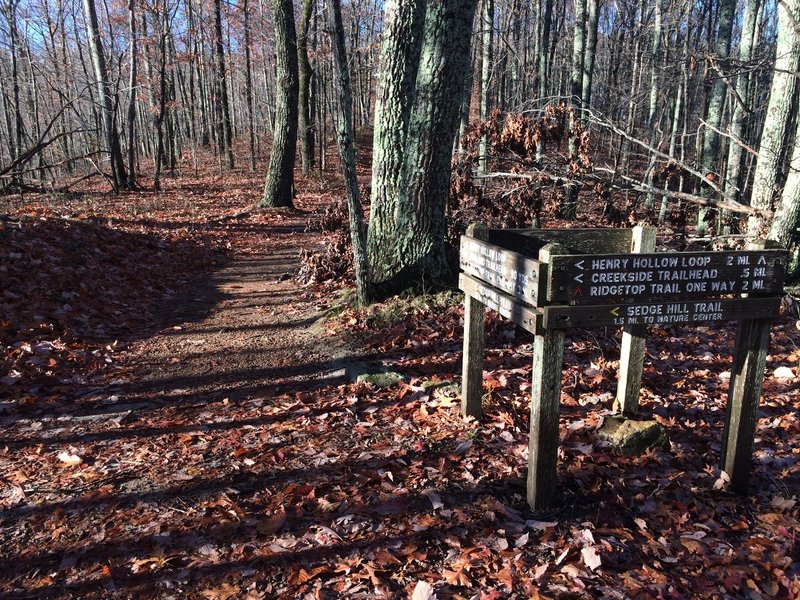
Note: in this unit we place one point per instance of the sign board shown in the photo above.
(577, 241)
(524, 316)
(508, 271)
(613, 288)
(600, 278)
(668, 312)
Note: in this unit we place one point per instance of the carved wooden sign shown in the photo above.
(670, 312)
(549, 281)
(503, 269)
(600, 278)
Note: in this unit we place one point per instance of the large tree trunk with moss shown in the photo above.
(279, 187)
(422, 79)
(401, 44)
(786, 219)
(776, 122)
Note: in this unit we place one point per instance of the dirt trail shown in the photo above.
(242, 331)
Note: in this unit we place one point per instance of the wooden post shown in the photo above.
(634, 340)
(747, 375)
(472, 360)
(548, 356)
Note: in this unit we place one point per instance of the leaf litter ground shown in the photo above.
(172, 426)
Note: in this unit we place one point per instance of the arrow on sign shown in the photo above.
(615, 311)
(579, 278)
(579, 265)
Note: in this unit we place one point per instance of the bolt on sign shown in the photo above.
(548, 281)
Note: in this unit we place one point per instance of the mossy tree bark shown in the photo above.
(784, 82)
(279, 187)
(422, 78)
(347, 150)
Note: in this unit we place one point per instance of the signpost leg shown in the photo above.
(747, 375)
(548, 359)
(634, 340)
(472, 360)
(548, 356)
(472, 365)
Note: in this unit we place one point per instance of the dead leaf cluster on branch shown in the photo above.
(530, 164)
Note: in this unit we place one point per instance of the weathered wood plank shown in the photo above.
(634, 340)
(526, 317)
(574, 241)
(548, 356)
(593, 279)
(503, 269)
(472, 359)
(663, 312)
(747, 375)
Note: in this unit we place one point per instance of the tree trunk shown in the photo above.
(568, 208)
(401, 44)
(159, 115)
(652, 110)
(131, 116)
(487, 34)
(542, 68)
(248, 86)
(406, 245)
(711, 139)
(224, 134)
(786, 219)
(305, 124)
(358, 234)
(107, 100)
(733, 183)
(592, 16)
(279, 186)
(784, 82)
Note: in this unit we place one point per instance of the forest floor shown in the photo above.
(176, 423)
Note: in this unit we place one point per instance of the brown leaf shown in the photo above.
(223, 592)
(271, 525)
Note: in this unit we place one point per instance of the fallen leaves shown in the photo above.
(337, 490)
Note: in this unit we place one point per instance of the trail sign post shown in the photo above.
(547, 281)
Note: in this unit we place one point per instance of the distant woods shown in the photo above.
(124, 90)
(670, 103)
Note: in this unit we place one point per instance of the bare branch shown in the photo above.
(631, 185)
(598, 120)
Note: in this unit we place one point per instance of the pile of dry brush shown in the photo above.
(520, 187)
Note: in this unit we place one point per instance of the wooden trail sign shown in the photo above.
(503, 269)
(666, 312)
(595, 279)
(548, 281)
